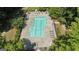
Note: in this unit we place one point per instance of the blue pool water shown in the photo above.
(37, 27)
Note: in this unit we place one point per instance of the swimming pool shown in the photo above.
(37, 27)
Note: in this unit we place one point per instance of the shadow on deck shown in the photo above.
(28, 46)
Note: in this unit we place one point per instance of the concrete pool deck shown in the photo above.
(50, 33)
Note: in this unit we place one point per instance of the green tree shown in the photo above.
(56, 12)
(70, 41)
(61, 44)
(62, 20)
(42, 8)
(73, 33)
(63, 14)
(2, 42)
(20, 45)
(14, 45)
(17, 22)
(11, 45)
(78, 11)
(69, 15)
(7, 14)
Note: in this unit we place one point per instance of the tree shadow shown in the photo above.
(24, 25)
(7, 14)
(26, 17)
(28, 46)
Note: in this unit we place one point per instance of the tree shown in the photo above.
(77, 11)
(73, 33)
(70, 41)
(7, 14)
(2, 42)
(61, 44)
(17, 22)
(11, 45)
(42, 8)
(62, 20)
(19, 45)
(56, 12)
(14, 45)
(69, 14)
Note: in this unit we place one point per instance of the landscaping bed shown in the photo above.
(60, 29)
(10, 35)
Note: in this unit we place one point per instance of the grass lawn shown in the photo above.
(10, 35)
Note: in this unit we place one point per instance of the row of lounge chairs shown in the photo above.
(39, 13)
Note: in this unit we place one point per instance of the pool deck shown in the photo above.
(50, 33)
